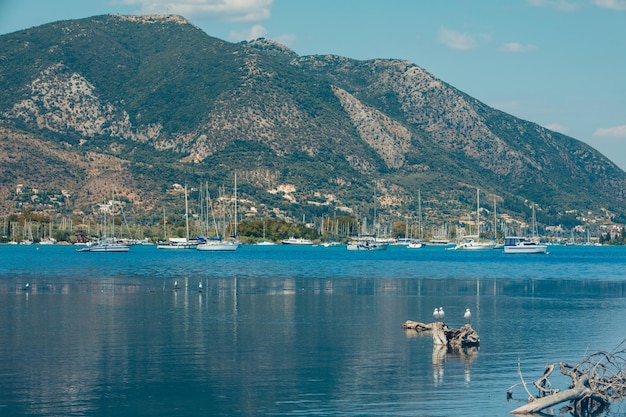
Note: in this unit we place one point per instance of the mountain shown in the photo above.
(136, 104)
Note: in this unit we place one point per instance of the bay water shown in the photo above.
(294, 331)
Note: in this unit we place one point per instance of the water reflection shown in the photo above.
(313, 338)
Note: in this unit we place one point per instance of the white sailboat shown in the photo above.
(473, 242)
(180, 242)
(108, 242)
(218, 244)
(264, 242)
(417, 244)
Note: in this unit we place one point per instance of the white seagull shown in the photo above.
(467, 315)
(436, 314)
(442, 314)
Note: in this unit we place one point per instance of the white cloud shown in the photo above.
(557, 127)
(456, 40)
(611, 132)
(517, 47)
(611, 4)
(561, 5)
(234, 10)
(254, 32)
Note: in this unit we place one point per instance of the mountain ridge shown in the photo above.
(173, 105)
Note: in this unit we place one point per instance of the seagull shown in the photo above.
(26, 287)
(436, 314)
(175, 285)
(200, 287)
(442, 314)
(467, 315)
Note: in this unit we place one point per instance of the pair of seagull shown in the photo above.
(439, 314)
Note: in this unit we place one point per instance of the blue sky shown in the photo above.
(558, 63)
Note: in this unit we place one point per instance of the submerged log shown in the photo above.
(579, 390)
(597, 380)
(417, 326)
(439, 334)
(463, 337)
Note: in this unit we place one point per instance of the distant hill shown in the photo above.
(137, 103)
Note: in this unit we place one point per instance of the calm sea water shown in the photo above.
(293, 331)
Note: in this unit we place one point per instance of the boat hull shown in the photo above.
(364, 246)
(297, 241)
(522, 245)
(105, 248)
(178, 246)
(471, 244)
(218, 247)
(529, 249)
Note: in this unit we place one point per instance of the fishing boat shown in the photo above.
(521, 244)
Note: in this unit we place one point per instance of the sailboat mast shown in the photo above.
(164, 226)
(419, 212)
(477, 212)
(186, 213)
(534, 225)
(235, 233)
(495, 220)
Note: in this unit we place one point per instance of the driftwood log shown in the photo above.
(597, 380)
(463, 337)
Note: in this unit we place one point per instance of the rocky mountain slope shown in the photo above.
(138, 103)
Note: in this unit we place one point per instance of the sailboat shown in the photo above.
(264, 242)
(472, 242)
(179, 242)
(219, 244)
(107, 243)
(499, 245)
(417, 244)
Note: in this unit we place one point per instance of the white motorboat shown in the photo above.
(178, 243)
(415, 245)
(296, 241)
(218, 245)
(471, 244)
(521, 244)
(366, 242)
(105, 245)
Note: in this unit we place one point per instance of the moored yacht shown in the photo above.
(521, 244)
(471, 244)
(296, 241)
(367, 242)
